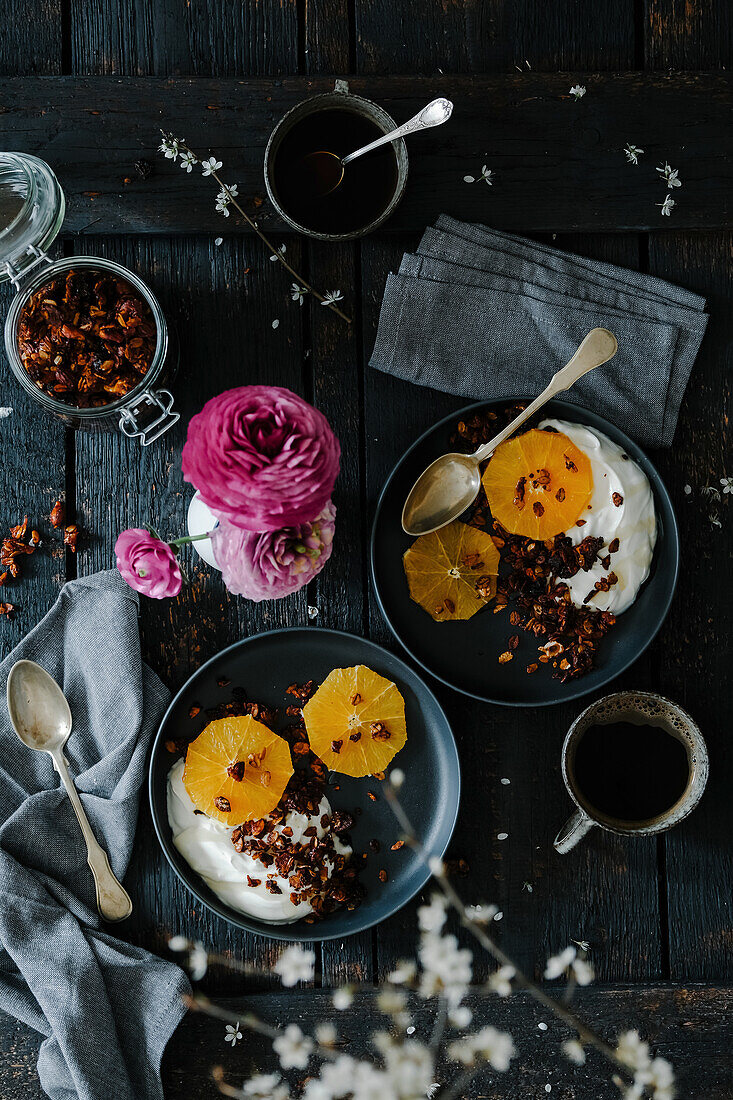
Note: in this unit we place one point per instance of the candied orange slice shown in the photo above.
(538, 483)
(237, 769)
(356, 721)
(444, 567)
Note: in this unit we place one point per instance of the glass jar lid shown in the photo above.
(32, 209)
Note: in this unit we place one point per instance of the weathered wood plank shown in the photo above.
(32, 42)
(694, 651)
(200, 38)
(680, 35)
(689, 1025)
(493, 35)
(559, 164)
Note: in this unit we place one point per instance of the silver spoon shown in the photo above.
(41, 717)
(449, 484)
(324, 171)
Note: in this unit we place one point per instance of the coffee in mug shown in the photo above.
(633, 763)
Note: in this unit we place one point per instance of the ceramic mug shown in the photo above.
(339, 97)
(638, 708)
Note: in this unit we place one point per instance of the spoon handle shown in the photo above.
(113, 901)
(597, 348)
(435, 113)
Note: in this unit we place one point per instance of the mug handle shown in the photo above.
(572, 831)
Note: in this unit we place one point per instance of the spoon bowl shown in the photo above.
(38, 708)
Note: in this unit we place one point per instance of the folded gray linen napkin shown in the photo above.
(106, 1008)
(489, 315)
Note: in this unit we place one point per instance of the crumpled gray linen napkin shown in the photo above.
(106, 1008)
(490, 315)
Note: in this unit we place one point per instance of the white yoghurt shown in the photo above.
(633, 522)
(207, 847)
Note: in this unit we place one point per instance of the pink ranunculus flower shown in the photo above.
(274, 564)
(262, 458)
(148, 564)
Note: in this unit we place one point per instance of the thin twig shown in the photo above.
(275, 251)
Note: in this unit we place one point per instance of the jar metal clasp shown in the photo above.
(16, 277)
(162, 400)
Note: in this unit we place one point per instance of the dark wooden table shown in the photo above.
(87, 87)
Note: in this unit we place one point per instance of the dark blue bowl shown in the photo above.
(264, 665)
(464, 655)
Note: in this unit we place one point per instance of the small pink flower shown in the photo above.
(261, 457)
(275, 564)
(148, 564)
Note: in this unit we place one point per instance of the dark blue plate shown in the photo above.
(464, 655)
(264, 665)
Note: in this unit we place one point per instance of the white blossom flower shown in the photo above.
(343, 998)
(582, 945)
(336, 1080)
(326, 1034)
(293, 1048)
(486, 174)
(396, 778)
(632, 1051)
(671, 176)
(574, 1051)
(266, 1086)
(224, 197)
(208, 167)
(667, 205)
(298, 293)
(295, 965)
(198, 961)
(403, 973)
(501, 980)
(711, 492)
(187, 161)
(726, 482)
(312, 612)
(582, 972)
(278, 253)
(170, 146)
(436, 866)
(633, 152)
(410, 1069)
(488, 1044)
(460, 1016)
(431, 918)
(332, 296)
(558, 964)
(578, 91)
(391, 1001)
(447, 968)
(481, 914)
(658, 1078)
(233, 1034)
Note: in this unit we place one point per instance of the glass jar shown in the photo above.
(32, 209)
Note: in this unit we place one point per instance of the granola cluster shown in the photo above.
(86, 338)
(21, 543)
(532, 574)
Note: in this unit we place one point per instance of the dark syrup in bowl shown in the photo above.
(630, 773)
(368, 184)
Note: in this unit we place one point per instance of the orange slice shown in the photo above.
(443, 568)
(237, 763)
(356, 721)
(538, 484)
